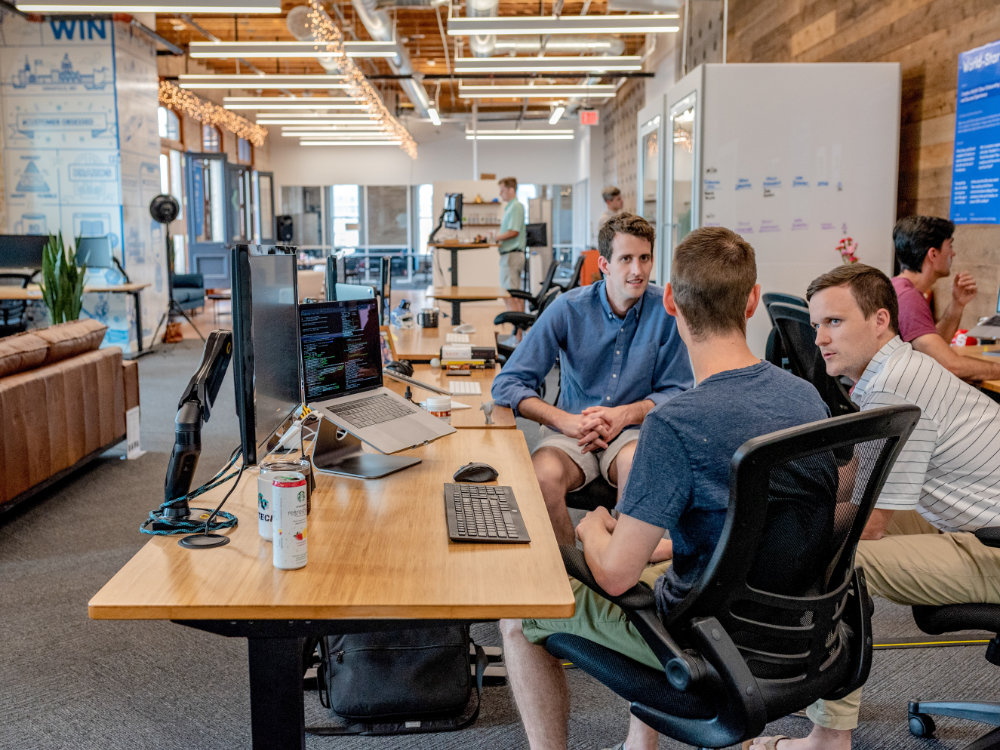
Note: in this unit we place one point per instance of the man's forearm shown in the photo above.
(539, 411)
(948, 323)
(638, 410)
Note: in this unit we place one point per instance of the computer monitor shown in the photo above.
(95, 252)
(536, 235)
(385, 289)
(336, 272)
(22, 250)
(342, 292)
(453, 210)
(266, 373)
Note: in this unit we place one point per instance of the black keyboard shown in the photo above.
(483, 513)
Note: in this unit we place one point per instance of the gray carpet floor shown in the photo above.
(69, 682)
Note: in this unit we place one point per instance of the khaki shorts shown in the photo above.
(511, 266)
(600, 621)
(593, 463)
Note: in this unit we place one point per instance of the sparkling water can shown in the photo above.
(288, 524)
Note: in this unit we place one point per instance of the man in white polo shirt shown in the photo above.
(949, 469)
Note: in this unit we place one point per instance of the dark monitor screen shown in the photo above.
(22, 250)
(336, 273)
(536, 235)
(453, 210)
(265, 344)
(94, 252)
(341, 348)
(385, 289)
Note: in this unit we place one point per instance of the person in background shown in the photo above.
(948, 470)
(619, 355)
(680, 481)
(924, 249)
(614, 205)
(512, 242)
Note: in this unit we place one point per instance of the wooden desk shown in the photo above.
(378, 551)
(459, 294)
(34, 292)
(980, 352)
(501, 417)
(424, 344)
(454, 248)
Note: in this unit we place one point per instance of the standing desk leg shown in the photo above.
(454, 266)
(276, 704)
(456, 312)
(138, 319)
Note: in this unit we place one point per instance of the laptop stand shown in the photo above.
(336, 451)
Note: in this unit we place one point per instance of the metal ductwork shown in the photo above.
(380, 29)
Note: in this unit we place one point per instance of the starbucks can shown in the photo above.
(288, 524)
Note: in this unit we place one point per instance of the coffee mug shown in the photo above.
(428, 317)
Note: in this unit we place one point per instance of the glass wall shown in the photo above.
(305, 206)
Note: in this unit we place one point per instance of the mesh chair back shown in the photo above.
(770, 298)
(782, 574)
(798, 343)
(574, 280)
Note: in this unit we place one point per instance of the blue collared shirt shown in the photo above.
(604, 360)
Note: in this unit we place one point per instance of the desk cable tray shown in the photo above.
(483, 513)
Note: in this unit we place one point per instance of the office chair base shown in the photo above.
(922, 725)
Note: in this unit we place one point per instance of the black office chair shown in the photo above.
(735, 656)
(798, 344)
(574, 279)
(13, 312)
(534, 300)
(521, 321)
(770, 298)
(947, 619)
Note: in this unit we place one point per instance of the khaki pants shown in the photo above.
(912, 569)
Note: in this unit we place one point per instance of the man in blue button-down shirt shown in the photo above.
(619, 354)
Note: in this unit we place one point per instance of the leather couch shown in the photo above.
(62, 403)
(189, 290)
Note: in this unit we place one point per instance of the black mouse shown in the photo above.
(402, 366)
(475, 472)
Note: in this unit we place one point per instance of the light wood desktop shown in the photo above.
(456, 295)
(980, 352)
(424, 344)
(378, 550)
(501, 416)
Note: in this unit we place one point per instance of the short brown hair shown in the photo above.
(870, 288)
(610, 193)
(508, 182)
(624, 223)
(713, 274)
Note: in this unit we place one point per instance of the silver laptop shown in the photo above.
(989, 328)
(342, 371)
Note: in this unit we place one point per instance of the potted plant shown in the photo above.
(62, 280)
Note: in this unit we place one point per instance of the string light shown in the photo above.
(325, 32)
(209, 113)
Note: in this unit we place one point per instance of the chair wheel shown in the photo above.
(921, 725)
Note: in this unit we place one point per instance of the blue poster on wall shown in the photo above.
(975, 179)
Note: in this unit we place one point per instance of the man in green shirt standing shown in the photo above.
(512, 242)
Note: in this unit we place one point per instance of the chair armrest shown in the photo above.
(517, 319)
(520, 294)
(990, 536)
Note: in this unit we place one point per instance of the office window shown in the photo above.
(561, 231)
(172, 176)
(169, 124)
(211, 139)
(424, 225)
(527, 191)
(346, 216)
(387, 216)
(244, 151)
(305, 206)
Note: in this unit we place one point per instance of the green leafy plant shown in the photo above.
(62, 280)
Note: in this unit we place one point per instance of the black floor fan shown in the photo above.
(164, 209)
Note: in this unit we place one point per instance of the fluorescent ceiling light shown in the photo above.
(149, 6)
(557, 113)
(292, 116)
(592, 45)
(505, 25)
(292, 102)
(349, 143)
(546, 64)
(603, 90)
(348, 125)
(313, 123)
(433, 114)
(347, 134)
(228, 50)
(267, 81)
(519, 135)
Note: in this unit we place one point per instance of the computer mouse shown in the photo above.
(402, 366)
(475, 472)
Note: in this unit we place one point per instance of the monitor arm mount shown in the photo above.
(193, 410)
(438, 227)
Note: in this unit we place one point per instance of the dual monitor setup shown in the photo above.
(26, 250)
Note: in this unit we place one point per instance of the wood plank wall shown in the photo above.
(925, 37)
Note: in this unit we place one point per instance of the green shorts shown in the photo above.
(600, 621)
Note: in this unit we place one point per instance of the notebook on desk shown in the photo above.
(342, 370)
(989, 328)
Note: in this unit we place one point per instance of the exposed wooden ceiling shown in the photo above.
(417, 28)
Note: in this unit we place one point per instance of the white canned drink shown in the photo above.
(288, 524)
(264, 510)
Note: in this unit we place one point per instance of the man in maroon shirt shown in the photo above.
(924, 250)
